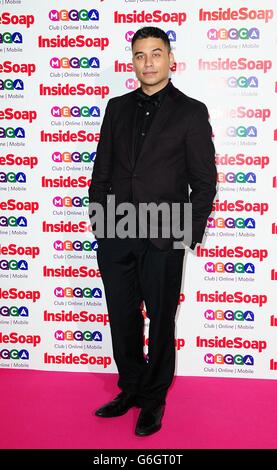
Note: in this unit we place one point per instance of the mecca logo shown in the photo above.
(11, 38)
(14, 354)
(11, 114)
(157, 16)
(68, 201)
(239, 177)
(75, 111)
(14, 265)
(77, 292)
(8, 67)
(75, 245)
(131, 84)
(239, 64)
(240, 206)
(241, 159)
(12, 133)
(229, 315)
(242, 82)
(129, 36)
(242, 131)
(11, 85)
(12, 177)
(229, 359)
(11, 159)
(14, 311)
(74, 157)
(233, 33)
(74, 15)
(230, 222)
(13, 221)
(25, 20)
(170, 33)
(74, 63)
(242, 14)
(229, 268)
(78, 335)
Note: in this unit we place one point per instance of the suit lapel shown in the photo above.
(129, 112)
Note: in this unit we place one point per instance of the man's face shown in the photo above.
(152, 61)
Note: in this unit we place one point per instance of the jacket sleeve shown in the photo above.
(202, 174)
(101, 174)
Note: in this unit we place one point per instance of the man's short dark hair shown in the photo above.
(151, 32)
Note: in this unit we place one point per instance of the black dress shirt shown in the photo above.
(146, 109)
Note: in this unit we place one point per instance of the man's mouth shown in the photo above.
(149, 73)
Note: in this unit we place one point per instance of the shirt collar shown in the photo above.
(155, 99)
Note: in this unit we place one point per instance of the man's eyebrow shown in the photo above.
(153, 50)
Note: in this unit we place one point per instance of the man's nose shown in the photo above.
(148, 61)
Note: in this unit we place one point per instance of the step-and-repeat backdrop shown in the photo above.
(60, 62)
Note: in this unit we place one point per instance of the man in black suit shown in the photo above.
(155, 144)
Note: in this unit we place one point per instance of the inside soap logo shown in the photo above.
(157, 16)
(228, 14)
(8, 18)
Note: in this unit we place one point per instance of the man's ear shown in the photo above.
(171, 59)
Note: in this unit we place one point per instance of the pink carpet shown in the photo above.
(54, 410)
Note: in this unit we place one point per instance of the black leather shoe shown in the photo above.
(149, 420)
(117, 407)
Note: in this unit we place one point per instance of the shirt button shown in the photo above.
(147, 114)
(143, 134)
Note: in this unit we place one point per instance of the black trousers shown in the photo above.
(134, 270)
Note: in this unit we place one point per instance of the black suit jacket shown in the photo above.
(177, 156)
